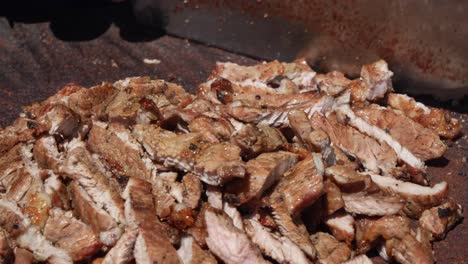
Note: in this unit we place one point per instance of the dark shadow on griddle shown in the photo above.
(439, 162)
(83, 20)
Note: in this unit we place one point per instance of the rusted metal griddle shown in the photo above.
(36, 59)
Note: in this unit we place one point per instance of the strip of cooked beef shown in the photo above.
(59, 120)
(5, 249)
(373, 155)
(12, 219)
(46, 153)
(228, 242)
(57, 192)
(70, 234)
(215, 200)
(293, 228)
(437, 120)
(408, 250)
(333, 200)
(10, 163)
(191, 253)
(273, 111)
(122, 252)
(120, 151)
(347, 178)
(440, 219)
(23, 256)
(372, 204)
(198, 229)
(89, 212)
(360, 259)
(22, 130)
(214, 130)
(368, 230)
(254, 140)
(279, 248)
(219, 163)
(42, 249)
(80, 166)
(383, 137)
(192, 190)
(261, 173)
(420, 141)
(375, 82)
(301, 185)
(271, 77)
(332, 83)
(329, 250)
(418, 197)
(92, 101)
(164, 201)
(341, 226)
(152, 244)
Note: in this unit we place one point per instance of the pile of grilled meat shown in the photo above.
(266, 163)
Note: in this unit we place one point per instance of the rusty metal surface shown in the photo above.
(34, 64)
(424, 41)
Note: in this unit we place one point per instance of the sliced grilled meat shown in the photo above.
(152, 244)
(192, 190)
(261, 173)
(254, 140)
(332, 83)
(372, 204)
(360, 259)
(329, 250)
(278, 247)
(373, 155)
(214, 130)
(191, 253)
(341, 226)
(46, 153)
(408, 250)
(347, 178)
(333, 200)
(92, 101)
(57, 192)
(70, 234)
(440, 219)
(23, 256)
(5, 249)
(437, 120)
(122, 252)
(375, 82)
(228, 242)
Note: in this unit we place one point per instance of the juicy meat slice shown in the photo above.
(439, 220)
(261, 173)
(163, 187)
(382, 136)
(437, 120)
(59, 120)
(92, 101)
(329, 250)
(408, 250)
(23, 256)
(369, 230)
(121, 152)
(294, 229)
(122, 252)
(342, 227)
(372, 204)
(332, 83)
(80, 166)
(57, 191)
(278, 247)
(420, 141)
(193, 189)
(301, 185)
(333, 200)
(254, 140)
(19, 132)
(375, 82)
(372, 154)
(71, 234)
(300, 124)
(360, 259)
(12, 219)
(46, 153)
(347, 178)
(219, 163)
(198, 230)
(274, 112)
(214, 130)
(167, 147)
(42, 248)
(191, 253)
(152, 244)
(88, 211)
(418, 197)
(228, 242)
